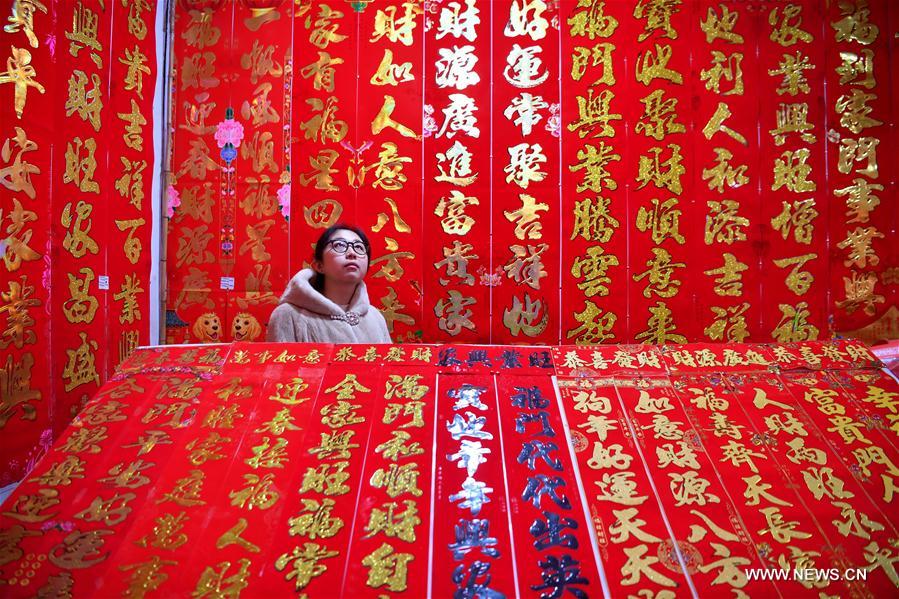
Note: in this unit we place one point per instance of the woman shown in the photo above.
(329, 303)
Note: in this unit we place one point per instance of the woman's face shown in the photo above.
(347, 267)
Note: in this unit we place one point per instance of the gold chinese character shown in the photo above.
(383, 120)
(207, 449)
(325, 124)
(451, 209)
(526, 218)
(146, 576)
(787, 26)
(860, 251)
(729, 324)
(655, 66)
(854, 110)
(396, 480)
(258, 492)
(325, 31)
(315, 520)
(22, 19)
(589, 19)
(796, 216)
(260, 63)
(80, 550)
(716, 125)
(650, 169)
(596, 326)
(793, 70)
(453, 313)
(392, 523)
(860, 293)
(592, 269)
(593, 160)
(61, 473)
(798, 281)
(131, 186)
(854, 26)
(791, 171)
(389, 73)
(724, 174)
(217, 583)
(593, 221)
(134, 131)
(659, 116)
(660, 271)
(690, 488)
(863, 149)
(857, 69)
(15, 306)
(29, 508)
(17, 176)
(792, 118)
(528, 316)
(598, 55)
(386, 567)
(658, 15)
(80, 170)
(22, 75)
(730, 276)
(594, 115)
(186, 492)
(167, 533)
(396, 29)
(80, 366)
(722, 27)
(305, 562)
(84, 33)
(794, 325)
(661, 327)
(779, 529)
(728, 67)
(136, 61)
(88, 104)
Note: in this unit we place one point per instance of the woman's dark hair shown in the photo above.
(318, 280)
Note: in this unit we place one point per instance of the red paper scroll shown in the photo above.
(793, 220)
(635, 543)
(594, 263)
(389, 550)
(728, 170)
(388, 184)
(857, 70)
(716, 544)
(525, 200)
(26, 139)
(195, 304)
(254, 198)
(83, 189)
(129, 217)
(472, 547)
(552, 538)
(658, 163)
(457, 173)
(799, 457)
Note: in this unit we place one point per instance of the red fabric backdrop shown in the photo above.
(545, 171)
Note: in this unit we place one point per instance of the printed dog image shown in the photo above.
(245, 327)
(208, 328)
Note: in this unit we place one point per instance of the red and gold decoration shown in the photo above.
(76, 167)
(537, 171)
(492, 471)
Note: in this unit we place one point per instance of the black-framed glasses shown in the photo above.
(340, 246)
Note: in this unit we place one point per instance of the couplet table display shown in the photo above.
(542, 171)
(464, 471)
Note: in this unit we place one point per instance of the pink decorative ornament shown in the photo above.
(173, 202)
